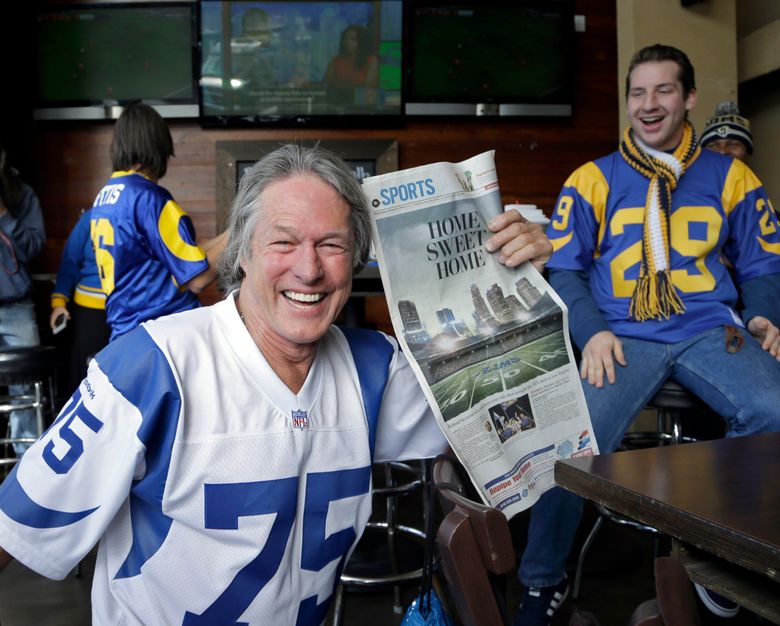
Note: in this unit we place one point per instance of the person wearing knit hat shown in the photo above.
(638, 237)
(728, 132)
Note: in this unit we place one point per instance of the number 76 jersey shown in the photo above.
(217, 494)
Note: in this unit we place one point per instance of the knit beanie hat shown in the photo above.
(727, 123)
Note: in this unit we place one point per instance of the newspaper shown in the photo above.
(489, 344)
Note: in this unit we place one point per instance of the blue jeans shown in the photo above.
(743, 388)
(18, 328)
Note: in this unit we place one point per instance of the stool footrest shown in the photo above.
(9, 440)
(651, 439)
(397, 490)
(373, 581)
(6, 408)
(646, 439)
(369, 580)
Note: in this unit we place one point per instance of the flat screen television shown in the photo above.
(93, 58)
(488, 57)
(301, 62)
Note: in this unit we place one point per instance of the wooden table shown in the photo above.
(720, 501)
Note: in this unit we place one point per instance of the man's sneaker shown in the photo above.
(540, 603)
(716, 603)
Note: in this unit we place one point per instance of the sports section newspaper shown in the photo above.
(489, 345)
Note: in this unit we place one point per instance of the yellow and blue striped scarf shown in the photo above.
(655, 297)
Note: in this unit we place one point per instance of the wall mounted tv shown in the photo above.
(301, 62)
(487, 57)
(94, 58)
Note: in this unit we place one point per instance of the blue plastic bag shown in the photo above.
(426, 609)
(436, 615)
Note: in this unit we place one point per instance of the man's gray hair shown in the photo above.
(284, 162)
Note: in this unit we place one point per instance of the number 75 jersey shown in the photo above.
(218, 495)
(719, 211)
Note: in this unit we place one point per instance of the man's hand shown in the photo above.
(599, 356)
(55, 313)
(213, 249)
(518, 241)
(767, 333)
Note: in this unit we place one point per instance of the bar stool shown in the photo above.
(671, 402)
(33, 366)
(390, 553)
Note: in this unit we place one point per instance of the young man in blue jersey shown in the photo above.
(148, 259)
(638, 238)
(222, 456)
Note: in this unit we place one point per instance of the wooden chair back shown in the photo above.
(474, 544)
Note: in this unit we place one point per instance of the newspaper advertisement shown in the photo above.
(489, 344)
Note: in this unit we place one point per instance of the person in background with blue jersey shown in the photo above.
(638, 238)
(222, 456)
(78, 285)
(148, 259)
(21, 238)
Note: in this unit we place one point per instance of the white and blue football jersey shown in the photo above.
(217, 494)
(145, 249)
(719, 210)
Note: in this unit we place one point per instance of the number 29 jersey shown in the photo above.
(219, 496)
(719, 210)
(144, 248)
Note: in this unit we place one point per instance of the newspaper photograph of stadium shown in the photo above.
(465, 363)
(487, 329)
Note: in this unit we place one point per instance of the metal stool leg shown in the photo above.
(392, 523)
(39, 402)
(575, 594)
(338, 605)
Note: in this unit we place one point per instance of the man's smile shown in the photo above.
(655, 119)
(306, 298)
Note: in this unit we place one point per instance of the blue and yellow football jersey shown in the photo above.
(77, 276)
(720, 212)
(145, 248)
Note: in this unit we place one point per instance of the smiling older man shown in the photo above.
(222, 456)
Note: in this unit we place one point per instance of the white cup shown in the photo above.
(530, 212)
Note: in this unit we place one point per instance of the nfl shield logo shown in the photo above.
(300, 419)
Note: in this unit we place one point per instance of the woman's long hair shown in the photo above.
(141, 137)
(363, 43)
